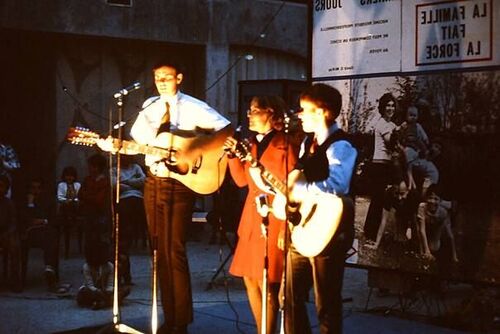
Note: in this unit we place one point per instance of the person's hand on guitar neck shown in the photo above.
(108, 145)
(229, 145)
(231, 148)
(112, 145)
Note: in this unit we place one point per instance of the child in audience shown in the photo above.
(67, 199)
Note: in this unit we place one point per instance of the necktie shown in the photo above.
(165, 120)
(70, 191)
(166, 117)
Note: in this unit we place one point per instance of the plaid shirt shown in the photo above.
(9, 159)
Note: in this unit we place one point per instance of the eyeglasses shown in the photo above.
(256, 111)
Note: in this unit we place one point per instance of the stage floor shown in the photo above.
(220, 304)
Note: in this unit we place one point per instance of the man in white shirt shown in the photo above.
(168, 202)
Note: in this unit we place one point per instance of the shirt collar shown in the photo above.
(323, 136)
(260, 136)
(172, 100)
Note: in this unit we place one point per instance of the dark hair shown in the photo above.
(276, 105)
(168, 63)
(384, 99)
(98, 161)
(69, 171)
(324, 96)
(432, 189)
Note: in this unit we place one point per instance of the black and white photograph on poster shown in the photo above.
(450, 34)
(356, 37)
(427, 184)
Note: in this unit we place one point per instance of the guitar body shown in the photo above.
(204, 175)
(279, 206)
(320, 216)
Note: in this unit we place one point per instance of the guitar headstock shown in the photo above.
(82, 136)
(242, 150)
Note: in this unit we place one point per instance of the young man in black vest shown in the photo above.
(326, 165)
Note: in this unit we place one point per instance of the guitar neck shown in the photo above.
(273, 181)
(203, 174)
(143, 149)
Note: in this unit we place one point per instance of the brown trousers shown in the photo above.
(169, 207)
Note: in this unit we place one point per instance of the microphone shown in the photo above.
(124, 91)
(237, 133)
(237, 136)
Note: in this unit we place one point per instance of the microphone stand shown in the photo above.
(263, 209)
(283, 310)
(118, 327)
(154, 305)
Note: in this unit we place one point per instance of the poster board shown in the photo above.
(356, 37)
(457, 100)
(439, 35)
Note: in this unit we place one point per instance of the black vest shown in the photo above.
(315, 165)
(315, 168)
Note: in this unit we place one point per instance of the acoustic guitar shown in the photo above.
(203, 175)
(314, 220)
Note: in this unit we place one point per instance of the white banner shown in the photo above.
(450, 34)
(355, 37)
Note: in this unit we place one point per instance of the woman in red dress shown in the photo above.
(271, 147)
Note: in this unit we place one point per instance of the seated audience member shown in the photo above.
(97, 289)
(38, 229)
(131, 210)
(9, 237)
(67, 199)
(94, 196)
(9, 163)
(98, 271)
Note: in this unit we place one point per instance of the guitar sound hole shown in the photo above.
(181, 169)
(174, 166)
